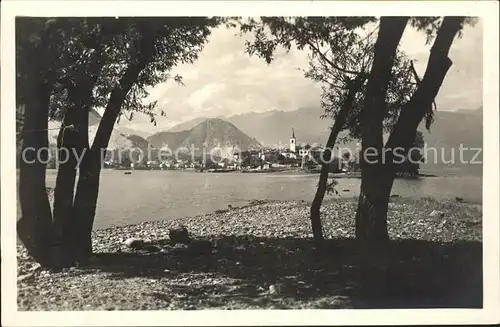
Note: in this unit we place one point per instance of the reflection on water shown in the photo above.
(156, 195)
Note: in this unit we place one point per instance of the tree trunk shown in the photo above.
(75, 143)
(35, 228)
(70, 145)
(376, 182)
(371, 216)
(88, 183)
(80, 229)
(316, 225)
(439, 63)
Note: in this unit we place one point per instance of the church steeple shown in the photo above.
(292, 141)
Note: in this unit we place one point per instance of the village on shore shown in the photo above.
(292, 158)
(266, 159)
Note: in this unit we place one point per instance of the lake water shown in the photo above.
(157, 195)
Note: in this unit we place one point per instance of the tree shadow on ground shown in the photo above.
(411, 274)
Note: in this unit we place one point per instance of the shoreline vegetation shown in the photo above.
(262, 256)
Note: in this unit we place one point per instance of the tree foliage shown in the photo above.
(75, 46)
(340, 50)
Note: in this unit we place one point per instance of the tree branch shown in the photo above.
(145, 54)
(330, 62)
(418, 81)
(374, 107)
(439, 64)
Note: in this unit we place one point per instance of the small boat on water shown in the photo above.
(128, 172)
(219, 170)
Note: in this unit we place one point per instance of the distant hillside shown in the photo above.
(273, 127)
(449, 130)
(94, 117)
(121, 138)
(214, 132)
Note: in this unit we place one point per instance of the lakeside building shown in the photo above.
(302, 152)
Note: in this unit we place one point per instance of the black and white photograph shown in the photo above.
(225, 159)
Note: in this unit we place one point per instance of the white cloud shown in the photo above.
(207, 92)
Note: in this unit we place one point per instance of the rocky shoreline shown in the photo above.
(262, 256)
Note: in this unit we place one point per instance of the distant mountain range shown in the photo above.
(273, 128)
(209, 134)
(121, 138)
(450, 128)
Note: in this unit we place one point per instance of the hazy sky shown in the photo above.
(226, 81)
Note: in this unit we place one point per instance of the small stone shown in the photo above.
(134, 243)
(179, 235)
(35, 267)
(274, 289)
(25, 277)
(437, 213)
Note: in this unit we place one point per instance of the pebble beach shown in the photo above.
(262, 256)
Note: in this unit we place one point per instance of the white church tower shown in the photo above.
(293, 142)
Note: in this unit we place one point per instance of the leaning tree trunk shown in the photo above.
(79, 231)
(88, 182)
(35, 228)
(316, 225)
(413, 112)
(371, 215)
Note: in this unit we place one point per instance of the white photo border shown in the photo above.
(487, 10)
